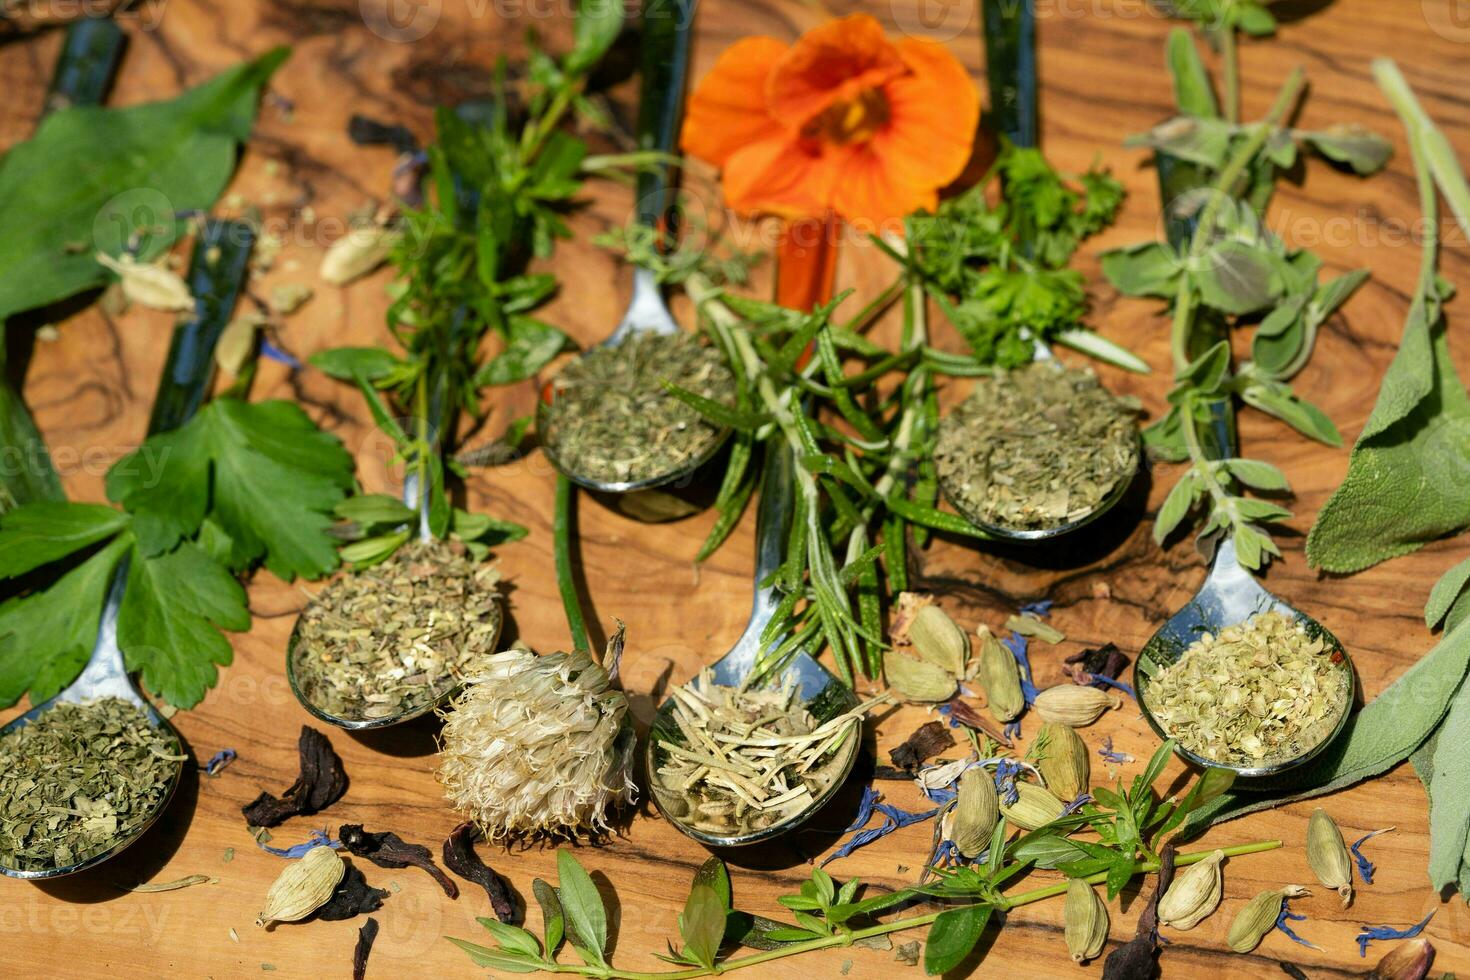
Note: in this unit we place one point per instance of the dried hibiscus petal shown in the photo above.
(927, 741)
(460, 857)
(365, 937)
(321, 783)
(353, 897)
(388, 850)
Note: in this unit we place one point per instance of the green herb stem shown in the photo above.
(847, 937)
(566, 583)
(1231, 60)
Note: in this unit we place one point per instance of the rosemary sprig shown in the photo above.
(1222, 268)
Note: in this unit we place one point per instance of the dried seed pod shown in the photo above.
(1194, 894)
(1074, 705)
(1406, 961)
(937, 640)
(1085, 921)
(1327, 855)
(1063, 761)
(1259, 916)
(917, 680)
(999, 674)
(304, 886)
(357, 253)
(971, 821)
(149, 285)
(1034, 807)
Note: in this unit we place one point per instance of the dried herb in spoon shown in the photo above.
(384, 640)
(609, 417)
(78, 779)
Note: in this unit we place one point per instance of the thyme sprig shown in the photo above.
(827, 914)
(1221, 268)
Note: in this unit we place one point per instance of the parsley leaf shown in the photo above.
(164, 626)
(263, 471)
(49, 530)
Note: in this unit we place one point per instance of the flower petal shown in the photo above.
(780, 175)
(727, 110)
(831, 62)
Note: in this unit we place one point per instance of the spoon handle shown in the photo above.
(667, 29)
(772, 528)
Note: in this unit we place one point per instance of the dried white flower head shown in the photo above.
(537, 745)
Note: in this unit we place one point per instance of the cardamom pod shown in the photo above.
(1194, 894)
(1062, 761)
(1259, 917)
(304, 886)
(917, 680)
(1085, 921)
(939, 641)
(357, 253)
(999, 674)
(1327, 855)
(1406, 961)
(1034, 807)
(1074, 704)
(147, 284)
(971, 821)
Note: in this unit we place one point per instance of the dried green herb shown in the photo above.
(384, 640)
(1260, 692)
(751, 757)
(78, 779)
(1037, 447)
(611, 418)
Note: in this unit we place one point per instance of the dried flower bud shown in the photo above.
(357, 253)
(1406, 961)
(1062, 761)
(149, 285)
(999, 674)
(939, 641)
(917, 680)
(1259, 917)
(537, 745)
(1074, 705)
(1085, 921)
(304, 886)
(1327, 855)
(971, 821)
(1194, 894)
(237, 343)
(1034, 807)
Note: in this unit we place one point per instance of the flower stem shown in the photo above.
(561, 533)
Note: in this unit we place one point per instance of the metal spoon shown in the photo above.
(1041, 353)
(105, 676)
(412, 497)
(667, 33)
(1229, 596)
(824, 696)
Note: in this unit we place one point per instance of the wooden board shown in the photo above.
(1103, 77)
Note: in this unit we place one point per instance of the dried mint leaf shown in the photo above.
(460, 857)
(321, 783)
(387, 850)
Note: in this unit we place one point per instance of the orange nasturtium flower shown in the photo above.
(842, 121)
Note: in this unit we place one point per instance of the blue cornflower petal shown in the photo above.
(1118, 684)
(1016, 643)
(1077, 804)
(1366, 867)
(270, 350)
(319, 838)
(1106, 751)
(1371, 933)
(1287, 913)
(1041, 607)
(218, 761)
(893, 819)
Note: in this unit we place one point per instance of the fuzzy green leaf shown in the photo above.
(1192, 90)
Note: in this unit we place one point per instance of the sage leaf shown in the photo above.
(1176, 505)
(1445, 597)
(582, 904)
(1145, 269)
(1192, 89)
(1257, 474)
(1235, 278)
(1449, 794)
(94, 173)
(1275, 398)
(1352, 145)
(953, 936)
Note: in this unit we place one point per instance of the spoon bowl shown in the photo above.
(820, 691)
(419, 501)
(1230, 596)
(105, 676)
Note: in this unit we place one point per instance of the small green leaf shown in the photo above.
(512, 939)
(1257, 474)
(368, 509)
(581, 903)
(1206, 373)
(350, 363)
(1277, 399)
(1192, 90)
(714, 874)
(702, 925)
(371, 551)
(552, 918)
(1177, 504)
(597, 26)
(1148, 269)
(953, 936)
(497, 959)
(718, 412)
(529, 346)
(1234, 277)
(932, 517)
(1446, 593)
(1353, 146)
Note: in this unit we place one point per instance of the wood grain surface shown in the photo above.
(1103, 77)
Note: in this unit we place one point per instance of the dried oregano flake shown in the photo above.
(1259, 692)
